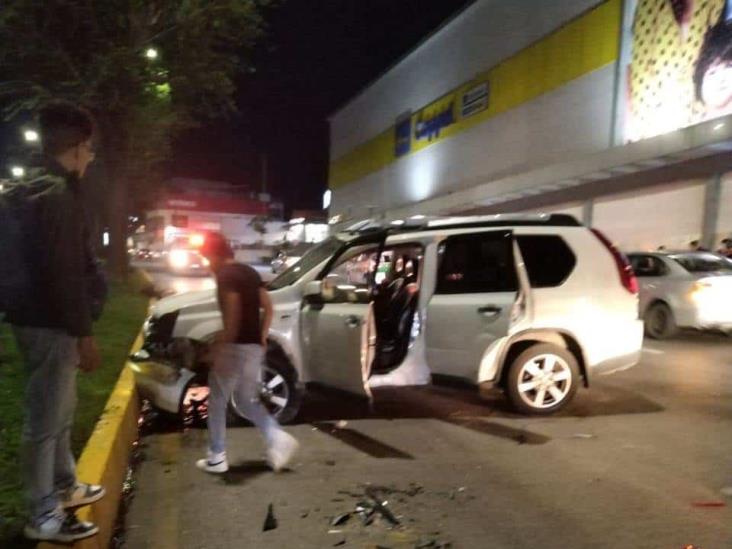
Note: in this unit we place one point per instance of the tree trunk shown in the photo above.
(118, 213)
(115, 159)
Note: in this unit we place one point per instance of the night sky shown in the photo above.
(317, 55)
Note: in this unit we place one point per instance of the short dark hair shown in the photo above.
(63, 125)
(215, 245)
(716, 48)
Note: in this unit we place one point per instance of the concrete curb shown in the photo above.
(106, 457)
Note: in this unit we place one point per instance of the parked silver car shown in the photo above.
(684, 290)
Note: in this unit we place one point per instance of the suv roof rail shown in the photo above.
(425, 223)
(499, 220)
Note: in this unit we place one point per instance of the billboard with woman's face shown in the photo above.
(677, 56)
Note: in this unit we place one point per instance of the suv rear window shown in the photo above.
(477, 263)
(548, 259)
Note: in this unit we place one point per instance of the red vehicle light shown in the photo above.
(627, 276)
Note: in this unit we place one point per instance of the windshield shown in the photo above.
(311, 259)
(703, 263)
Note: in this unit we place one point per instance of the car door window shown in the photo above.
(477, 263)
(349, 279)
(647, 266)
(549, 260)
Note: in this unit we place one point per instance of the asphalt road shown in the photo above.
(637, 461)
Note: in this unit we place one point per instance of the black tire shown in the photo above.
(277, 364)
(659, 322)
(518, 375)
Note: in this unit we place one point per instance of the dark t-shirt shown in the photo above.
(246, 282)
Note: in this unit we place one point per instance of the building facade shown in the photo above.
(189, 207)
(616, 111)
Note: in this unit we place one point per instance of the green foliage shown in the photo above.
(94, 52)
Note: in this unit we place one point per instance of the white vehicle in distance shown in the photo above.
(186, 261)
(535, 305)
(684, 290)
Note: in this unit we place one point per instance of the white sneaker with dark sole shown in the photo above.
(283, 449)
(81, 494)
(61, 527)
(214, 463)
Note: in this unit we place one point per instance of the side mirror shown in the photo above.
(313, 291)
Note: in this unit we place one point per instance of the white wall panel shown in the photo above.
(476, 40)
(724, 223)
(645, 220)
(543, 131)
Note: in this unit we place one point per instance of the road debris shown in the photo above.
(380, 506)
(270, 522)
(340, 543)
(340, 519)
(708, 504)
(342, 424)
(583, 435)
(433, 544)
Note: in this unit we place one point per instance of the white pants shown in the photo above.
(237, 370)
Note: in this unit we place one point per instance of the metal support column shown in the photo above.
(587, 211)
(710, 220)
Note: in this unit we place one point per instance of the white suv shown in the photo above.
(532, 304)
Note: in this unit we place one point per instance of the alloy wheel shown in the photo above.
(544, 381)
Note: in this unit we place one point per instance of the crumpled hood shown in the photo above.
(182, 301)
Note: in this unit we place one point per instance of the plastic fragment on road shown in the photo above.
(583, 435)
(433, 544)
(340, 519)
(339, 543)
(342, 424)
(380, 506)
(270, 522)
(708, 504)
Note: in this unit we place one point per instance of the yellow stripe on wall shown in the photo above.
(581, 46)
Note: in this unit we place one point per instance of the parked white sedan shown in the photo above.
(684, 290)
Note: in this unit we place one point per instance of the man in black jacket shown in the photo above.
(53, 327)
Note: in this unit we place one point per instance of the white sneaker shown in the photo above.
(213, 463)
(61, 527)
(81, 494)
(281, 451)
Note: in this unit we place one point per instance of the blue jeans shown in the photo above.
(51, 360)
(237, 371)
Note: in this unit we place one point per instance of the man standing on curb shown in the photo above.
(238, 354)
(53, 326)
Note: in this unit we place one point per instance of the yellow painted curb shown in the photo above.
(106, 457)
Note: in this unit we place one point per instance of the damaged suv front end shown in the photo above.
(171, 358)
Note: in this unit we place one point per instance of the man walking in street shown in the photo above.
(53, 326)
(238, 354)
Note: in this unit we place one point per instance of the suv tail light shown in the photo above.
(627, 276)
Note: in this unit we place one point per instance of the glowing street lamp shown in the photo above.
(151, 54)
(17, 171)
(31, 136)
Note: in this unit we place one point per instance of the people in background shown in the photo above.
(726, 248)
